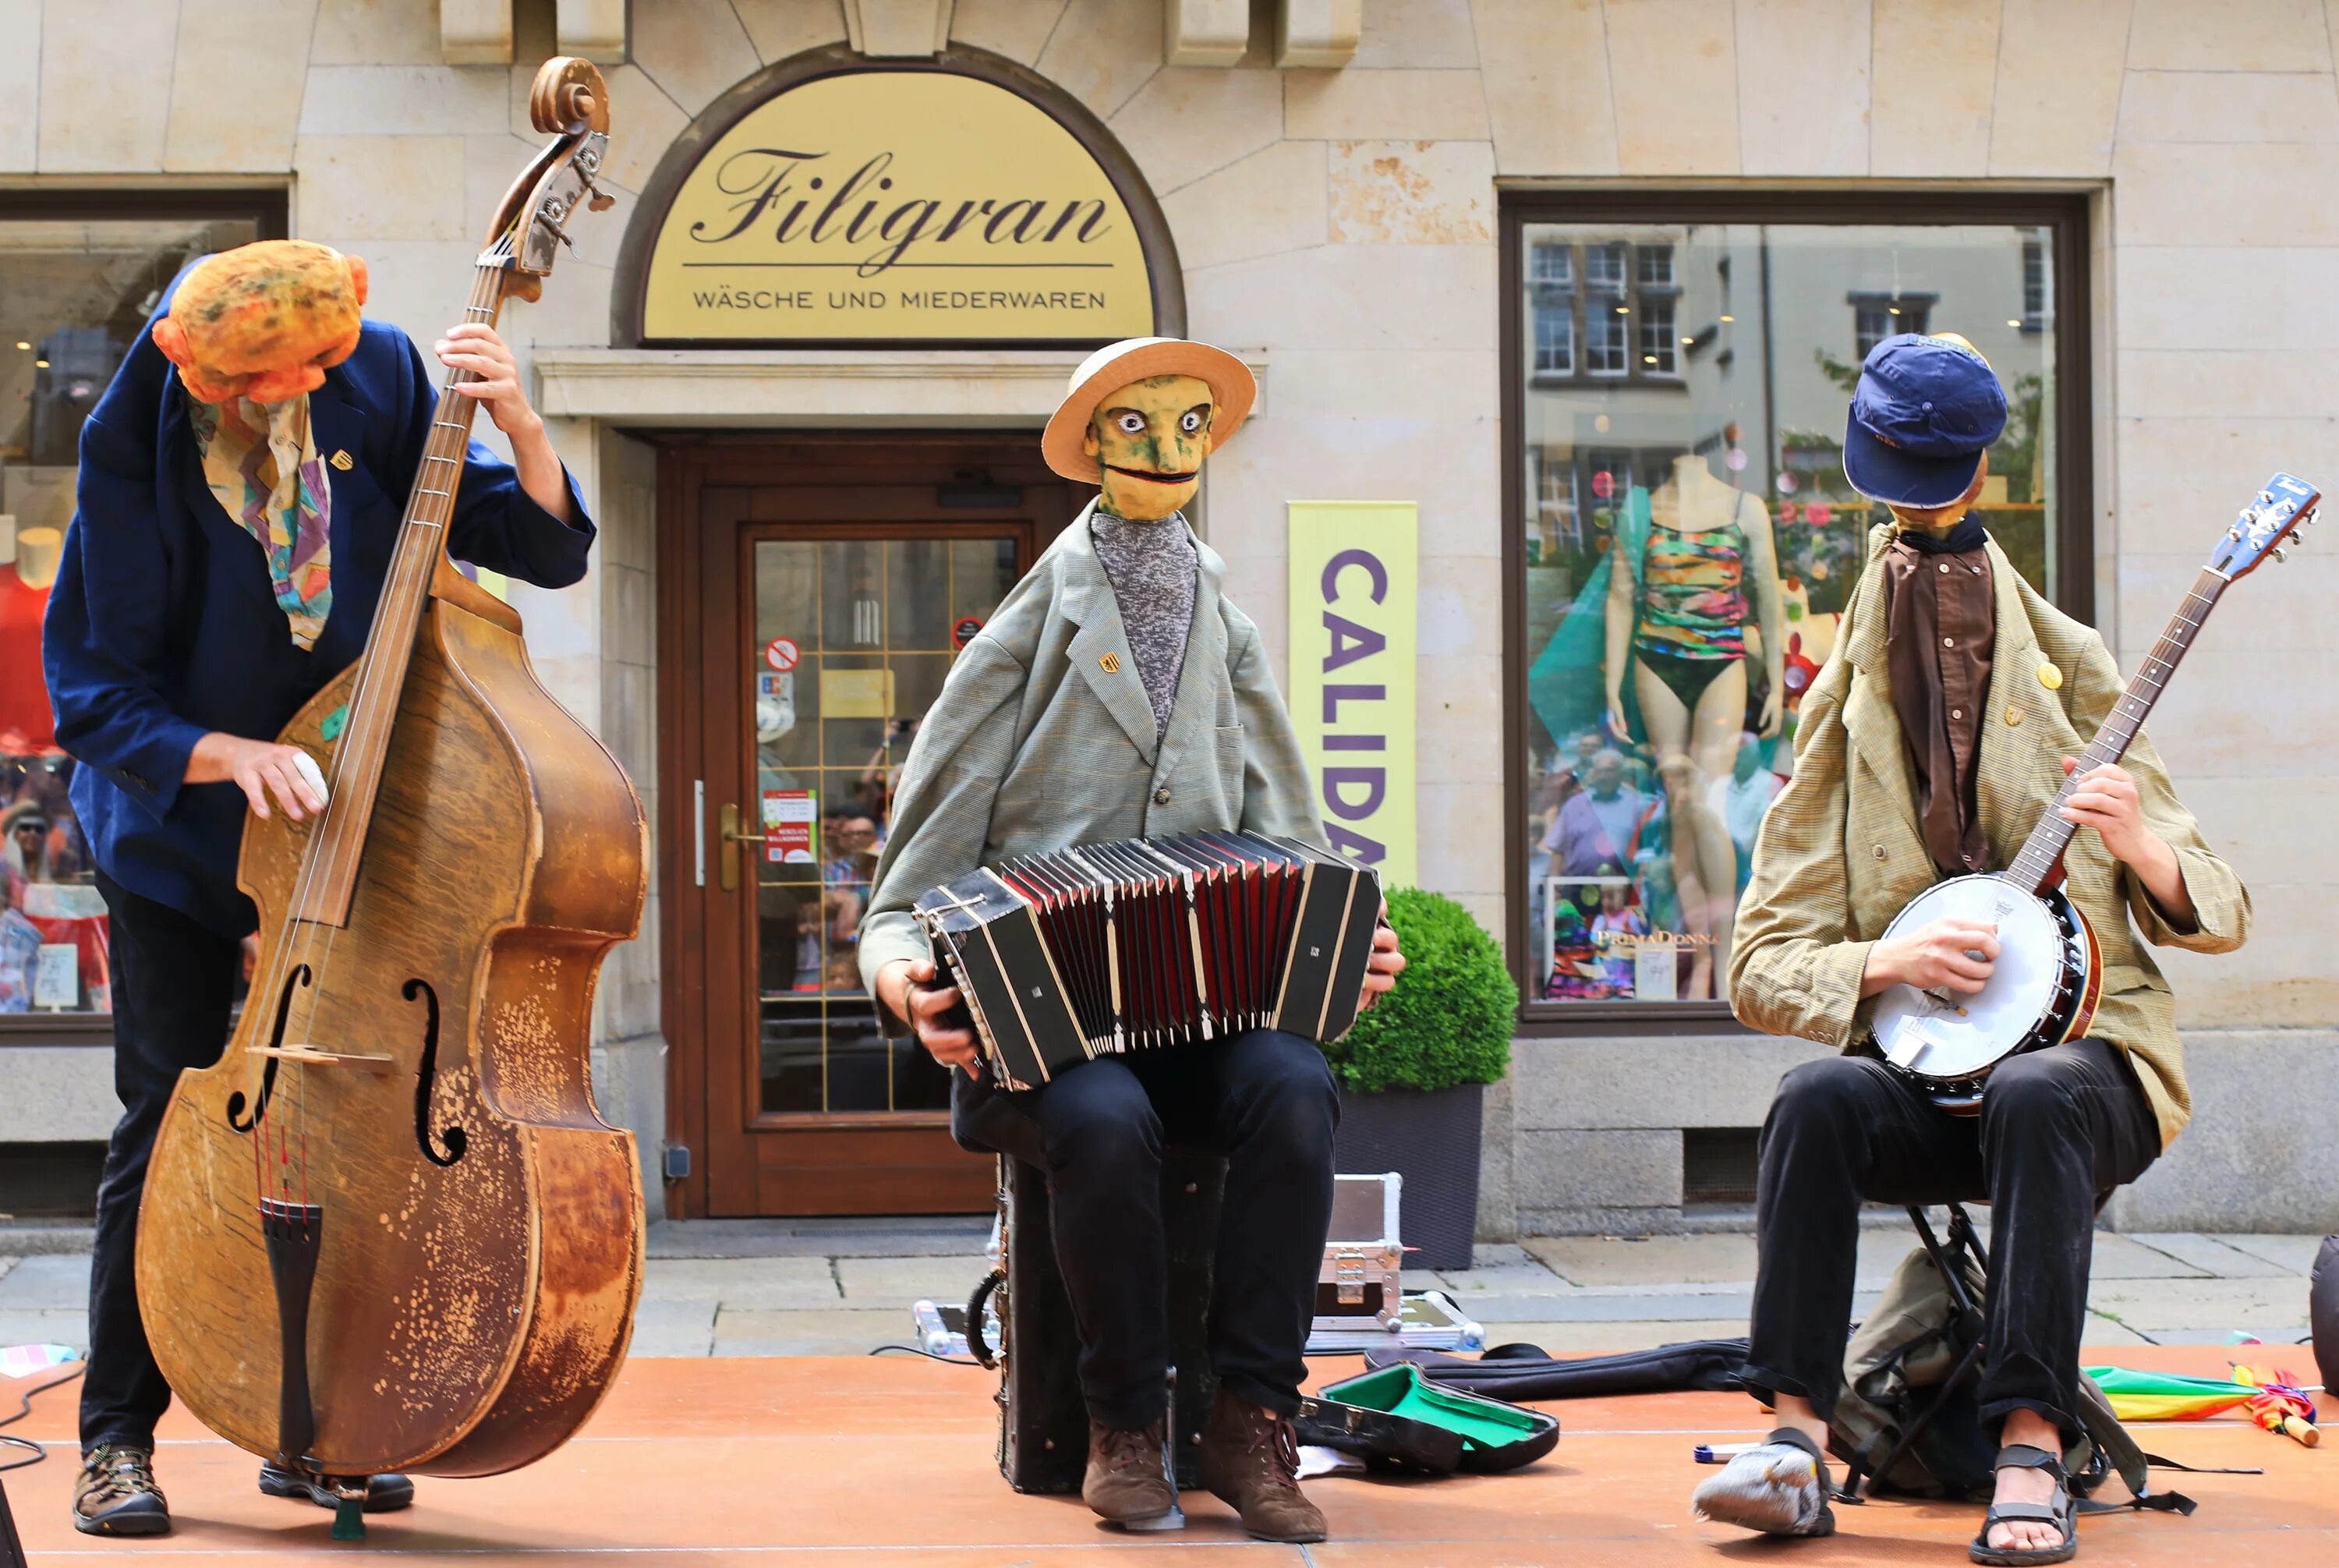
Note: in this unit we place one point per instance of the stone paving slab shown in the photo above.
(898, 1281)
(834, 1333)
(2124, 1256)
(2270, 1308)
(761, 1282)
(881, 1236)
(2295, 1253)
(38, 1283)
(1658, 1260)
(2206, 1256)
(54, 1325)
(673, 1327)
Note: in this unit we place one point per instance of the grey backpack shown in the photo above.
(1907, 1420)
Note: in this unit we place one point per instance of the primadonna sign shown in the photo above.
(896, 203)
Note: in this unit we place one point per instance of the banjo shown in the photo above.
(2049, 976)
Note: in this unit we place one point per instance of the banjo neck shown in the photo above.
(2040, 865)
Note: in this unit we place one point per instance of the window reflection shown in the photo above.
(77, 294)
(1690, 542)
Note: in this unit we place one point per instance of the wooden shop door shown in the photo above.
(825, 587)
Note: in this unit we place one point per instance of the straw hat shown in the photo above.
(1115, 366)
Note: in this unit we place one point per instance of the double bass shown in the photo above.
(389, 1231)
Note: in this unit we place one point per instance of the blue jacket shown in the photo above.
(163, 624)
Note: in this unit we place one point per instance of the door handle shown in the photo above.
(727, 833)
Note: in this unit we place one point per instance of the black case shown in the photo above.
(1043, 1427)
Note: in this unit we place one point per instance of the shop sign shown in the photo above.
(900, 203)
(1354, 566)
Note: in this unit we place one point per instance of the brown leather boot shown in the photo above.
(1250, 1459)
(1125, 1482)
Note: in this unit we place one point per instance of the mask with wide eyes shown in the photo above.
(1131, 423)
(1191, 421)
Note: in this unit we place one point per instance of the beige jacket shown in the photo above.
(1841, 852)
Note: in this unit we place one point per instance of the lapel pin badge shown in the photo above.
(1111, 663)
(2049, 677)
(342, 460)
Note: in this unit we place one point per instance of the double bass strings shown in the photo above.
(369, 730)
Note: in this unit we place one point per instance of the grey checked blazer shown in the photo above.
(1036, 744)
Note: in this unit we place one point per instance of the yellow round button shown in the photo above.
(2013, 715)
(2050, 677)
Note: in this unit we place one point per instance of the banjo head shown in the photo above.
(1948, 1036)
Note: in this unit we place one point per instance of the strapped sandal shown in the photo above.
(2061, 1510)
(1770, 1491)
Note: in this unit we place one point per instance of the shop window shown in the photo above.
(1551, 272)
(1686, 484)
(81, 284)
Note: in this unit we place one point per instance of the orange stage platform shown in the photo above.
(888, 1461)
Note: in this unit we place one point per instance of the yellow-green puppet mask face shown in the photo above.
(1149, 438)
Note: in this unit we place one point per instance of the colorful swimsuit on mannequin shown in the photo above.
(1693, 620)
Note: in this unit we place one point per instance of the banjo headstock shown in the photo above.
(2286, 505)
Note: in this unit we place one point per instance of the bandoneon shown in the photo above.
(1144, 943)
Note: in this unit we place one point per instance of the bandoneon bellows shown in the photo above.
(1144, 943)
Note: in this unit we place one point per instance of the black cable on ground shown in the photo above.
(916, 1350)
(37, 1451)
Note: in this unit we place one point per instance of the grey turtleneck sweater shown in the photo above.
(1152, 567)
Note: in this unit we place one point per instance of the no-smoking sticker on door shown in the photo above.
(781, 654)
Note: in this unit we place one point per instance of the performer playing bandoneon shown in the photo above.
(1925, 751)
(241, 484)
(1118, 694)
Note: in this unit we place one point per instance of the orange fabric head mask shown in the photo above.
(263, 320)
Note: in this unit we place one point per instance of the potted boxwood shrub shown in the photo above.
(1414, 1071)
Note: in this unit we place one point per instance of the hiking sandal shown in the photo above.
(2061, 1510)
(1779, 1487)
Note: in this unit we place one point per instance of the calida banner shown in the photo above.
(896, 203)
(1354, 583)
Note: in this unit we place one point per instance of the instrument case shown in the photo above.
(1358, 1286)
(1044, 1423)
(1495, 1435)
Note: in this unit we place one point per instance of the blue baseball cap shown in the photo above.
(1925, 410)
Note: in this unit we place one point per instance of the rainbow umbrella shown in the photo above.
(2166, 1396)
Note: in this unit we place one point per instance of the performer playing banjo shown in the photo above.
(1914, 761)
(1116, 694)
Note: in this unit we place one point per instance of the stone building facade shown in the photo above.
(1342, 219)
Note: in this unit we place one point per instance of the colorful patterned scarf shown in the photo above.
(260, 460)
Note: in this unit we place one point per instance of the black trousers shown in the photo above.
(173, 982)
(1266, 1098)
(2057, 1128)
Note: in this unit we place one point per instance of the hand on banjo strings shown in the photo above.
(2103, 798)
(908, 988)
(1946, 954)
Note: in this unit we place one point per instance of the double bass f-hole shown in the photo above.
(297, 979)
(455, 1139)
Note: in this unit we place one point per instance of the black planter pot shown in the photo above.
(1431, 1139)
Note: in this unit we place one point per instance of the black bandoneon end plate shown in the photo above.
(1141, 943)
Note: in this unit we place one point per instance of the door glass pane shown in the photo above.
(853, 639)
